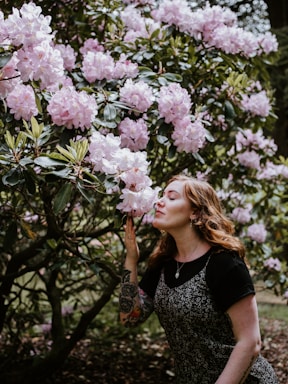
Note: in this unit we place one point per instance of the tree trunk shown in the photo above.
(37, 370)
(278, 15)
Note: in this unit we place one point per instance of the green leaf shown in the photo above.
(5, 57)
(229, 109)
(48, 162)
(62, 198)
(175, 77)
(12, 177)
(110, 112)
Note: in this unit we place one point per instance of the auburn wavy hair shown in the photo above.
(211, 222)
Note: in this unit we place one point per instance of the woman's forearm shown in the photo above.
(239, 364)
(135, 305)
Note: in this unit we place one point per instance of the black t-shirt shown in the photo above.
(227, 276)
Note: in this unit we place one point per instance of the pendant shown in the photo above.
(177, 274)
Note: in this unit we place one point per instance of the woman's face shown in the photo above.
(173, 211)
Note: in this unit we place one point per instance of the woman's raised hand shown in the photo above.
(130, 240)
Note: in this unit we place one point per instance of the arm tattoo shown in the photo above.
(133, 302)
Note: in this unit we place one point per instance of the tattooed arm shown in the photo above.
(135, 304)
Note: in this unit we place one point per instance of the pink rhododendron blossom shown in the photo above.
(125, 68)
(257, 104)
(30, 217)
(3, 30)
(248, 139)
(41, 63)
(138, 95)
(271, 171)
(273, 264)
(138, 203)
(135, 179)
(174, 102)
(98, 66)
(21, 101)
(175, 12)
(91, 45)
(134, 134)
(127, 160)
(136, 25)
(72, 109)
(216, 26)
(28, 27)
(257, 232)
(107, 156)
(242, 215)
(268, 43)
(129, 167)
(68, 54)
(132, 19)
(148, 219)
(188, 136)
(9, 77)
(233, 40)
(102, 149)
(249, 159)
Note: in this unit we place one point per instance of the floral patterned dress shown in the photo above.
(200, 334)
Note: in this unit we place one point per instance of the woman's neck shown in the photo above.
(191, 248)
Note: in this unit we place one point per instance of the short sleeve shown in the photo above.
(150, 281)
(228, 278)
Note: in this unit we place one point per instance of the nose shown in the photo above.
(159, 202)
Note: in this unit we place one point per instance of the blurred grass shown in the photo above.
(273, 311)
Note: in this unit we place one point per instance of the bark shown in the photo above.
(278, 15)
(37, 370)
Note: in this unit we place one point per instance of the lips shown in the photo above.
(159, 212)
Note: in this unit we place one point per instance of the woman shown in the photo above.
(199, 286)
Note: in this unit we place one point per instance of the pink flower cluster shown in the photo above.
(92, 45)
(257, 232)
(273, 264)
(28, 27)
(257, 141)
(174, 104)
(9, 77)
(99, 66)
(189, 136)
(252, 143)
(216, 26)
(242, 215)
(258, 104)
(249, 159)
(271, 171)
(137, 26)
(70, 108)
(138, 96)
(37, 60)
(68, 55)
(134, 134)
(107, 156)
(21, 101)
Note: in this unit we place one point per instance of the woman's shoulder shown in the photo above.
(224, 260)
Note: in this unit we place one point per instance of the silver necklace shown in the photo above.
(178, 269)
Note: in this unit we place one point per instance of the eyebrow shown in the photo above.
(171, 191)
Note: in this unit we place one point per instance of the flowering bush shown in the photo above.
(90, 132)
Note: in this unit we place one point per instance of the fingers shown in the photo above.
(129, 228)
